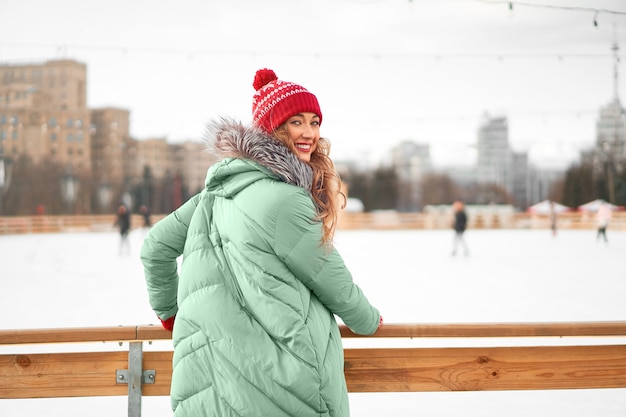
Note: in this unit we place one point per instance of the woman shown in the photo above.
(260, 281)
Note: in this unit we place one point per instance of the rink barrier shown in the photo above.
(134, 373)
(385, 220)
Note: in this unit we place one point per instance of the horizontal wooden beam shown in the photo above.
(347, 221)
(82, 374)
(62, 375)
(154, 332)
(69, 335)
(557, 329)
(367, 370)
(485, 369)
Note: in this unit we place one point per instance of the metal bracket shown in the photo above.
(147, 377)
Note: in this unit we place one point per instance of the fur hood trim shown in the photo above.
(228, 138)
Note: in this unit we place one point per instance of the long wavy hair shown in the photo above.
(326, 186)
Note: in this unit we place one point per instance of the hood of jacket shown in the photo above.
(260, 153)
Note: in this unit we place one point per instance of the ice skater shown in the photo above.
(553, 218)
(123, 223)
(604, 218)
(459, 225)
(145, 213)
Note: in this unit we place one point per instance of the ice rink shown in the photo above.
(77, 280)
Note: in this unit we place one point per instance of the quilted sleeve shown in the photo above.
(319, 267)
(161, 248)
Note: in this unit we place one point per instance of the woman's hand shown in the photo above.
(169, 323)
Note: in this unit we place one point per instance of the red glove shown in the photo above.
(169, 323)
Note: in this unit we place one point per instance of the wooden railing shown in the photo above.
(61, 223)
(347, 221)
(388, 369)
(485, 220)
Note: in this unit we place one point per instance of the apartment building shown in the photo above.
(154, 153)
(110, 143)
(194, 161)
(44, 114)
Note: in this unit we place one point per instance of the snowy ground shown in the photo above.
(76, 280)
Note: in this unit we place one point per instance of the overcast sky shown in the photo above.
(384, 71)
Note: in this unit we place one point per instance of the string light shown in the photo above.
(595, 11)
(198, 53)
(191, 54)
(551, 6)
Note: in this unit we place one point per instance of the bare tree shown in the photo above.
(440, 189)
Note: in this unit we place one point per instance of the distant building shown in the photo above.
(411, 162)
(109, 143)
(610, 128)
(611, 133)
(154, 153)
(542, 181)
(194, 162)
(494, 153)
(521, 184)
(609, 152)
(44, 114)
(498, 164)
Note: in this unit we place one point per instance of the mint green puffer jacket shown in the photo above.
(255, 297)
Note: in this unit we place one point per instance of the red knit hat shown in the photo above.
(275, 101)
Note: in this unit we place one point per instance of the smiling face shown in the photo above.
(302, 132)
